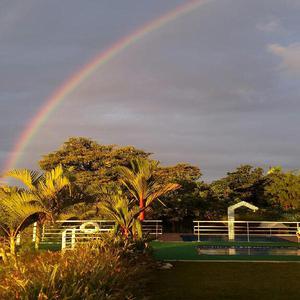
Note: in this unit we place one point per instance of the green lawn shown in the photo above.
(187, 251)
(237, 280)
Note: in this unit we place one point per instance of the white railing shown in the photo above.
(52, 233)
(153, 227)
(247, 229)
(69, 232)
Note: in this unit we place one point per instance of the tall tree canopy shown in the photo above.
(243, 184)
(283, 190)
(93, 164)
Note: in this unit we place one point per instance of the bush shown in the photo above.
(99, 270)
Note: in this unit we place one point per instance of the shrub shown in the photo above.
(99, 270)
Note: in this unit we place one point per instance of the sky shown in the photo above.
(216, 88)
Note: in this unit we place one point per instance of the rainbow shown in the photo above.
(75, 80)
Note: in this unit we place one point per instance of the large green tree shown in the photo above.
(246, 183)
(92, 164)
(283, 190)
(242, 184)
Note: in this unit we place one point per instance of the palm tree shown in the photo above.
(142, 184)
(47, 188)
(18, 209)
(124, 212)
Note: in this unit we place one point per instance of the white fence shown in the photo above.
(69, 232)
(246, 229)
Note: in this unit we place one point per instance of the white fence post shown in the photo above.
(73, 239)
(63, 239)
(34, 231)
(198, 226)
(248, 236)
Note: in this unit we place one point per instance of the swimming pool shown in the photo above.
(247, 250)
(238, 238)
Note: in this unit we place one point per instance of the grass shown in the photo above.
(190, 280)
(187, 251)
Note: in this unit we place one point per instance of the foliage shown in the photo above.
(283, 190)
(46, 187)
(42, 196)
(18, 209)
(99, 270)
(93, 164)
(179, 173)
(182, 206)
(244, 184)
(124, 212)
(240, 184)
(142, 184)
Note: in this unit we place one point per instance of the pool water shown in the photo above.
(215, 238)
(248, 250)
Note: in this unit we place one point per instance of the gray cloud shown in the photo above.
(202, 89)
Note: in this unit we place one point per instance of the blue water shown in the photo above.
(192, 238)
(248, 250)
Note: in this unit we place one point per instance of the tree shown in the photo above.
(142, 184)
(48, 188)
(179, 173)
(243, 184)
(124, 212)
(92, 164)
(283, 190)
(18, 209)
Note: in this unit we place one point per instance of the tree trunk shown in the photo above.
(12, 246)
(142, 214)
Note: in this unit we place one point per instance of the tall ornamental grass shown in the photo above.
(93, 271)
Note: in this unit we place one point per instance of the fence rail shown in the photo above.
(69, 232)
(248, 229)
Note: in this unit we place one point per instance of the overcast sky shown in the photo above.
(216, 88)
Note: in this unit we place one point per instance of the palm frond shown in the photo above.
(28, 177)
